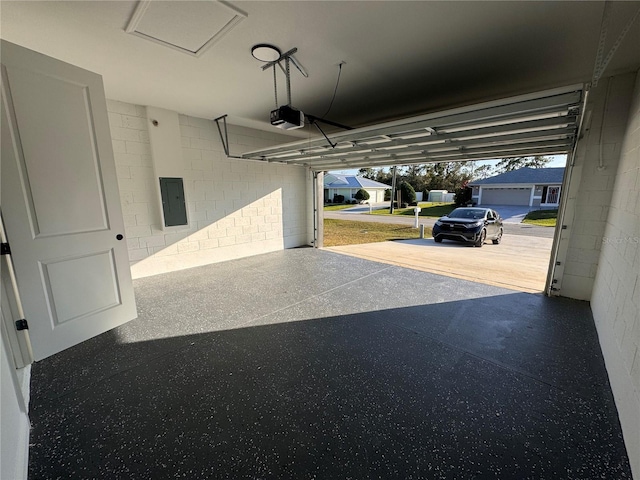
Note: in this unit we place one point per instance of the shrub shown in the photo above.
(425, 195)
(338, 199)
(407, 192)
(413, 204)
(387, 195)
(462, 196)
(362, 195)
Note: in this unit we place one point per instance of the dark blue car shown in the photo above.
(471, 225)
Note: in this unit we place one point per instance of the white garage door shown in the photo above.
(505, 196)
(377, 196)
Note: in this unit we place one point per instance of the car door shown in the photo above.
(491, 224)
(498, 223)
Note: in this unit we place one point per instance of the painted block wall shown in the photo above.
(592, 185)
(236, 208)
(616, 293)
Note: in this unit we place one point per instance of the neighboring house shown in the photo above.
(348, 186)
(534, 187)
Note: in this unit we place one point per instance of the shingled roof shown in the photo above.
(351, 181)
(526, 175)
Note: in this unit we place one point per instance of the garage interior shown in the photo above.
(366, 371)
(250, 357)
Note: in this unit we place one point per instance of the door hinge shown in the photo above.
(5, 249)
(22, 324)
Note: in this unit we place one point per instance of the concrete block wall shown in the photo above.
(592, 185)
(236, 208)
(616, 293)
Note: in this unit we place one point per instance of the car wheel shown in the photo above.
(498, 239)
(481, 238)
(437, 240)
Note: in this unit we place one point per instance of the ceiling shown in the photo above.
(402, 58)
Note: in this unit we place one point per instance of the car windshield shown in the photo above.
(470, 213)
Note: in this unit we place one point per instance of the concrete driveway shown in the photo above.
(511, 213)
(518, 263)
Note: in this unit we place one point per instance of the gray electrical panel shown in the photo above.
(173, 205)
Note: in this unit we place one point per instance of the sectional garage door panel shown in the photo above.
(541, 123)
(505, 196)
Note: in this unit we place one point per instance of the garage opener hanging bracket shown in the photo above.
(221, 123)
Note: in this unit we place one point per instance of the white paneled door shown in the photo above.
(60, 201)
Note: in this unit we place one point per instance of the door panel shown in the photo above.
(74, 202)
(70, 293)
(553, 195)
(60, 201)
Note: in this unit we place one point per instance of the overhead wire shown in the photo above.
(335, 90)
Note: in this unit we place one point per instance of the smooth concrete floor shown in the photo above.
(518, 262)
(308, 364)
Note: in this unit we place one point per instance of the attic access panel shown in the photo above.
(542, 123)
(188, 27)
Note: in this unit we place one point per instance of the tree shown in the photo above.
(378, 174)
(362, 195)
(462, 196)
(425, 177)
(482, 172)
(407, 192)
(369, 173)
(383, 176)
(447, 175)
(510, 164)
(414, 175)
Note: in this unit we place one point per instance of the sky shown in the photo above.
(556, 161)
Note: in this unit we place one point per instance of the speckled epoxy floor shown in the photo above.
(309, 364)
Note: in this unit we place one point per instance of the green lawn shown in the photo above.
(341, 206)
(429, 209)
(349, 232)
(542, 218)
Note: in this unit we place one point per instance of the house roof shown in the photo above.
(333, 180)
(525, 175)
